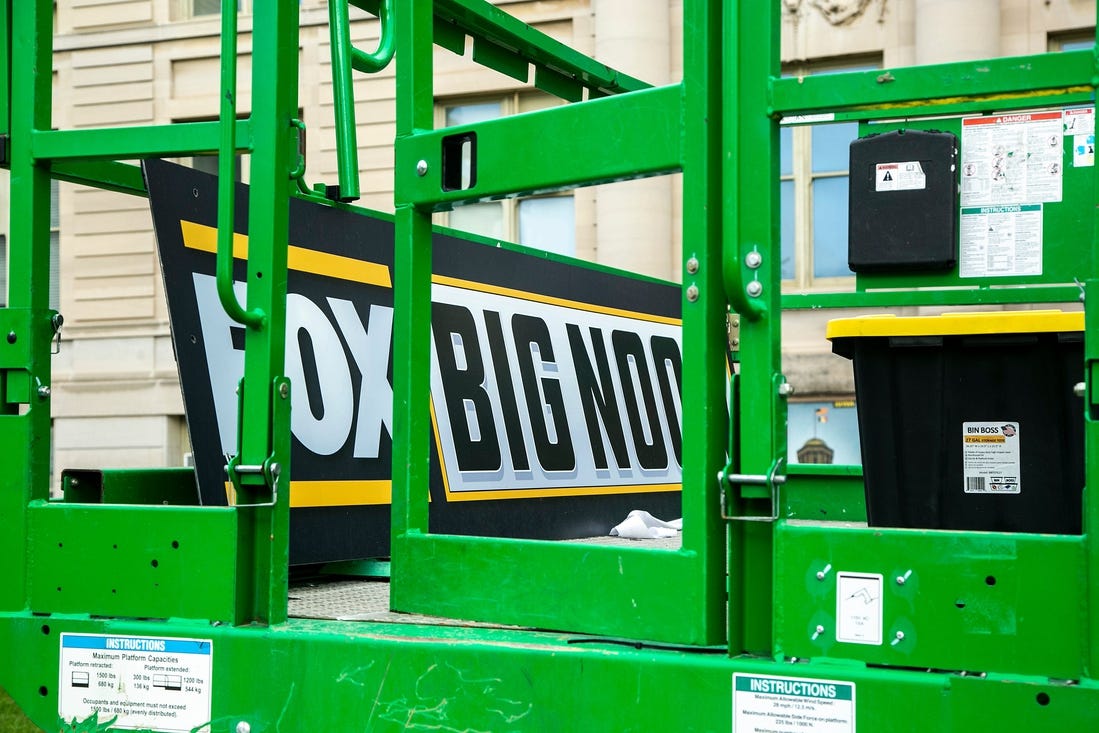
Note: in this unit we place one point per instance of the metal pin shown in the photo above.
(822, 573)
(818, 632)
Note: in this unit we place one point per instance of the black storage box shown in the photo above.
(903, 204)
(970, 421)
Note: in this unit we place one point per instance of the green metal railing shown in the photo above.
(739, 586)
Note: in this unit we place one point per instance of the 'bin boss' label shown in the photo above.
(990, 457)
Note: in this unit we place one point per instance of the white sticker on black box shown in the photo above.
(140, 682)
(990, 457)
(766, 704)
(905, 176)
(859, 608)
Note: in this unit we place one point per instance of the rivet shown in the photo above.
(755, 288)
(692, 293)
(753, 260)
(1079, 389)
(284, 390)
(44, 391)
(244, 727)
(785, 389)
(12, 337)
(692, 266)
(902, 579)
(421, 168)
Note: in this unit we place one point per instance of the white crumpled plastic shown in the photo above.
(640, 525)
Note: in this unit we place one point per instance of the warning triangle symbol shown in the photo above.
(888, 177)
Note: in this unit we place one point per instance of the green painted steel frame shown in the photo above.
(1031, 633)
(665, 596)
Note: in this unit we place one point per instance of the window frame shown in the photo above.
(804, 177)
(512, 102)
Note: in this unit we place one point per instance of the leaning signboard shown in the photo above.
(555, 385)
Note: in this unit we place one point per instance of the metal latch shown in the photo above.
(772, 480)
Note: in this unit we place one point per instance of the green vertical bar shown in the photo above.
(750, 213)
(347, 152)
(704, 334)
(411, 294)
(5, 67)
(265, 424)
(25, 473)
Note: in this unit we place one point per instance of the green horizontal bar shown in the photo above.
(1052, 98)
(105, 174)
(535, 584)
(823, 469)
(487, 23)
(898, 298)
(122, 143)
(540, 152)
(135, 561)
(1016, 77)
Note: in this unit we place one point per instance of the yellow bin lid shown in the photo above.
(957, 324)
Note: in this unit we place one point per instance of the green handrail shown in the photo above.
(226, 179)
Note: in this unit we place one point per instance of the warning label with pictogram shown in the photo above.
(906, 176)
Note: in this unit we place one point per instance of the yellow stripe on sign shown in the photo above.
(331, 493)
(299, 259)
(491, 494)
(549, 300)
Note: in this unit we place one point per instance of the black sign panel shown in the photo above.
(555, 385)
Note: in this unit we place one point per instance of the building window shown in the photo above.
(543, 222)
(1077, 40)
(184, 9)
(813, 193)
(55, 253)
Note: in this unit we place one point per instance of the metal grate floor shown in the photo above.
(367, 599)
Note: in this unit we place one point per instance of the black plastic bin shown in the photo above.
(969, 421)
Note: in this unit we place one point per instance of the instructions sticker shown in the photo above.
(906, 176)
(141, 682)
(765, 704)
(1001, 241)
(990, 457)
(859, 608)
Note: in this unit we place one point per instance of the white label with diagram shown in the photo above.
(766, 704)
(1001, 241)
(1080, 128)
(990, 457)
(859, 608)
(906, 176)
(1012, 158)
(140, 682)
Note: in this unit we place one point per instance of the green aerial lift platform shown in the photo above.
(173, 617)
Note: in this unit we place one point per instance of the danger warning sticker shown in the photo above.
(990, 457)
(906, 176)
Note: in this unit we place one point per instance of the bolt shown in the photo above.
(736, 323)
(902, 579)
(819, 631)
(12, 337)
(753, 260)
(44, 391)
(900, 636)
(1079, 389)
(57, 321)
(284, 390)
(421, 168)
(735, 342)
(692, 293)
(755, 288)
(692, 266)
(243, 727)
(822, 573)
(785, 389)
